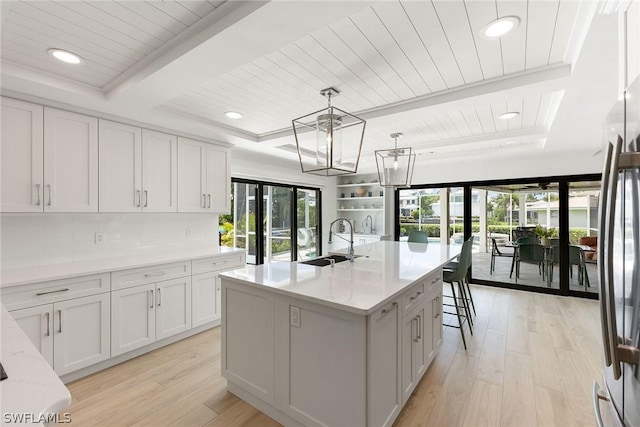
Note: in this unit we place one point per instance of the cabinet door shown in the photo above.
(409, 336)
(159, 172)
(218, 180)
(173, 307)
(204, 298)
(437, 320)
(423, 347)
(22, 156)
(120, 149)
(133, 318)
(70, 162)
(192, 190)
(81, 329)
(37, 324)
(383, 366)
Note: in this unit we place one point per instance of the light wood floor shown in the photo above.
(531, 362)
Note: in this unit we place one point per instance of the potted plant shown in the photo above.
(544, 234)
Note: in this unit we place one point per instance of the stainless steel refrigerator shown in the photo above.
(619, 266)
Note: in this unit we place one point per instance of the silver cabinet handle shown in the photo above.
(154, 274)
(208, 200)
(146, 198)
(436, 280)
(49, 189)
(48, 316)
(151, 306)
(416, 296)
(419, 318)
(602, 217)
(219, 262)
(415, 339)
(59, 321)
(609, 285)
(136, 202)
(159, 301)
(387, 310)
(204, 201)
(38, 191)
(52, 292)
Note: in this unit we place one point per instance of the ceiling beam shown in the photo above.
(539, 80)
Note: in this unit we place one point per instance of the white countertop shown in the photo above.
(23, 276)
(383, 270)
(31, 387)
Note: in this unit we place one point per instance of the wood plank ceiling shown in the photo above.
(393, 52)
(111, 36)
(386, 54)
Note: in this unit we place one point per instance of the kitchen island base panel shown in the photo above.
(324, 366)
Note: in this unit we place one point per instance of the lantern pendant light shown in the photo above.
(395, 166)
(329, 141)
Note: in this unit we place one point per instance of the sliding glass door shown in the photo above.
(537, 234)
(265, 228)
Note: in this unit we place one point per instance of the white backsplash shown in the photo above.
(36, 239)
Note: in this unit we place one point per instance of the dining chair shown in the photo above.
(530, 253)
(553, 258)
(461, 302)
(576, 257)
(418, 237)
(495, 252)
(527, 240)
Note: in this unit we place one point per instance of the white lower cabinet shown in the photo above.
(383, 366)
(143, 314)
(205, 298)
(70, 334)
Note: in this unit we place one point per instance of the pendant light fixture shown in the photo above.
(329, 141)
(395, 166)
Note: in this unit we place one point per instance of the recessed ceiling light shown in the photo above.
(500, 27)
(233, 115)
(508, 115)
(65, 56)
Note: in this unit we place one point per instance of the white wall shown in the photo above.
(41, 239)
(248, 165)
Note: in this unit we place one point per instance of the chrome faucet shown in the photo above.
(351, 253)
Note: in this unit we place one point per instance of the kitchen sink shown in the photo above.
(326, 260)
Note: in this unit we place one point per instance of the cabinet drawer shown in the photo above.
(141, 276)
(412, 298)
(218, 263)
(23, 296)
(432, 282)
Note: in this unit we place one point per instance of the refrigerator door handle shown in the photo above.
(608, 287)
(596, 403)
(602, 275)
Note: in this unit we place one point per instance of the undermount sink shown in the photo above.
(325, 260)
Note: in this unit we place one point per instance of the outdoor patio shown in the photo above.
(528, 273)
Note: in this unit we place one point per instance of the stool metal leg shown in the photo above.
(465, 305)
(455, 301)
(471, 297)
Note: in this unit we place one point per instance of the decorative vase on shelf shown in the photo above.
(360, 192)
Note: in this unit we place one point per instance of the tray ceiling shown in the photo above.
(419, 67)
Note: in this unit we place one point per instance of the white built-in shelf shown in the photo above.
(358, 209)
(361, 198)
(364, 184)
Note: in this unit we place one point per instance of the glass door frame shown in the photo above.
(259, 188)
(563, 206)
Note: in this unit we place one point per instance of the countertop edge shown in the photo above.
(115, 266)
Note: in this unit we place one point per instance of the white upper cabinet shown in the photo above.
(70, 162)
(138, 169)
(159, 172)
(203, 177)
(218, 179)
(120, 167)
(22, 156)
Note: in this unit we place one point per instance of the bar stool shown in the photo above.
(460, 303)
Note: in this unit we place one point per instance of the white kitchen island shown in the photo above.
(335, 346)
